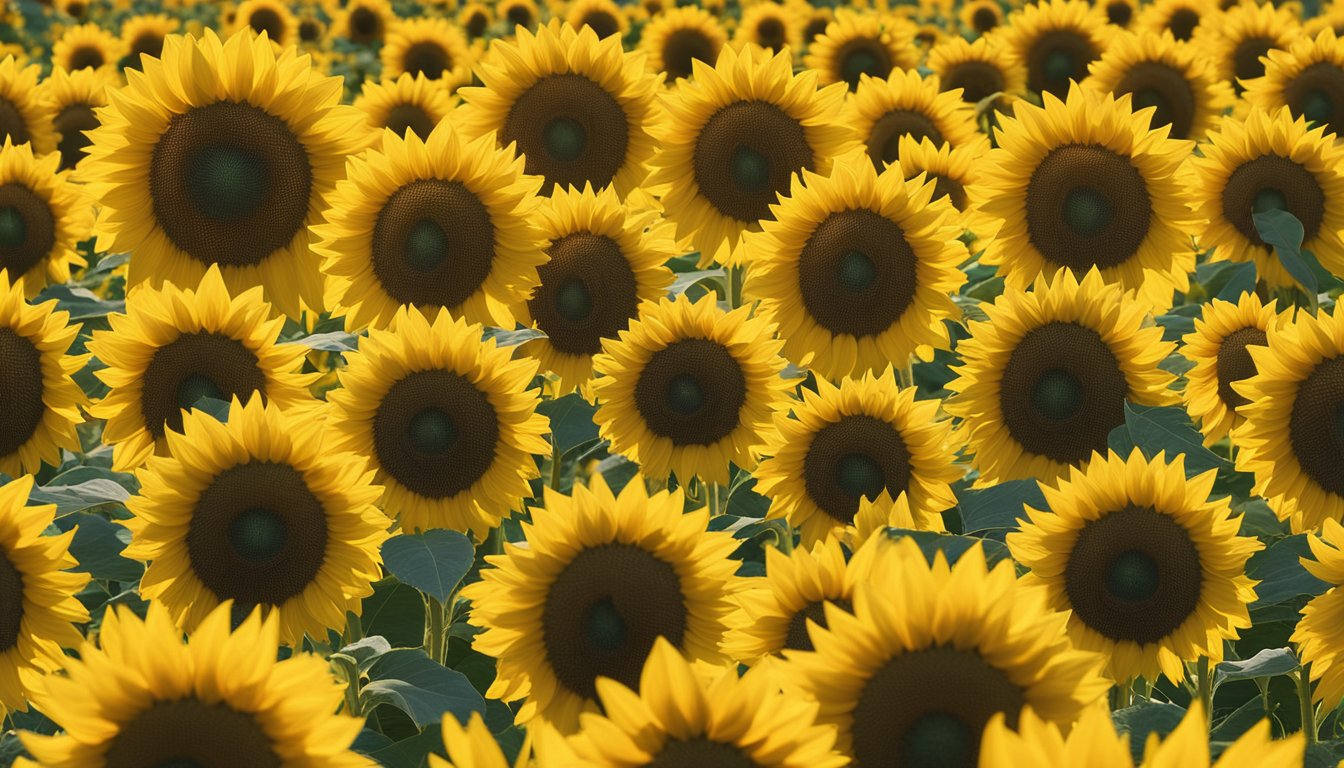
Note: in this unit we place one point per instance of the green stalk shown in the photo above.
(557, 464)
(436, 630)
(736, 277)
(1204, 681)
(354, 629)
(1305, 703)
(346, 668)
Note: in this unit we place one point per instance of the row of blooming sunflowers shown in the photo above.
(731, 385)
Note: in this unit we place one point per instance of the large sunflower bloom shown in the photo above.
(221, 153)
(1046, 377)
(43, 217)
(600, 579)
(1307, 78)
(1246, 34)
(141, 696)
(1056, 40)
(979, 69)
(260, 512)
(906, 103)
(858, 44)
(1219, 347)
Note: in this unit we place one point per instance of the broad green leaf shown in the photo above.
(410, 681)
(998, 507)
(97, 546)
(80, 496)
(507, 338)
(1168, 428)
(1282, 231)
(395, 611)
(1143, 719)
(365, 652)
(333, 341)
(1280, 573)
(1267, 663)
(571, 421)
(432, 562)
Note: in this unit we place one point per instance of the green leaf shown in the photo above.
(1267, 663)
(686, 280)
(81, 303)
(334, 341)
(1231, 727)
(952, 546)
(216, 409)
(1226, 280)
(998, 507)
(1168, 428)
(413, 683)
(433, 562)
(80, 496)
(365, 652)
(1281, 230)
(506, 338)
(97, 546)
(410, 752)
(1143, 719)
(571, 421)
(395, 611)
(1280, 573)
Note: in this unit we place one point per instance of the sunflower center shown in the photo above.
(70, 124)
(519, 15)
(884, 140)
(267, 21)
(258, 535)
(86, 57)
(798, 637)
(1087, 206)
(11, 604)
(1119, 13)
(1311, 428)
(12, 123)
(691, 392)
(428, 59)
(365, 25)
(21, 389)
(565, 139)
(1316, 106)
(1268, 199)
(958, 693)
(309, 30)
(1246, 63)
(194, 388)
(976, 79)
(700, 753)
(863, 57)
(190, 732)
(745, 155)
(409, 117)
(1235, 363)
(684, 47)
(1086, 211)
(588, 292)
(1167, 90)
(1057, 57)
(1058, 65)
(414, 258)
(815, 27)
(27, 229)
(1134, 574)
(227, 183)
(435, 433)
(476, 24)
(858, 456)
(770, 34)
(426, 246)
(859, 475)
(570, 130)
(984, 20)
(13, 229)
(192, 366)
(603, 612)
(1273, 182)
(147, 44)
(601, 22)
(573, 301)
(1317, 94)
(857, 273)
(1057, 395)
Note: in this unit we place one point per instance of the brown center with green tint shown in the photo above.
(70, 124)
(426, 58)
(1087, 206)
(409, 117)
(856, 273)
(1062, 392)
(230, 184)
(435, 433)
(700, 753)
(258, 535)
(433, 244)
(27, 229)
(1316, 428)
(976, 79)
(862, 56)
(770, 33)
(928, 708)
(86, 57)
(1246, 63)
(854, 458)
(1166, 89)
(744, 157)
(798, 637)
(683, 47)
(189, 733)
(1317, 94)
(588, 293)
(365, 26)
(193, 366)
(1134, 575)
(1056, 58)
(570, 130)
(21, 390)
(1273, 182)
(884, 140)
(604, 612)
(11, 604)
(1234, 363)
(691, 392)
(12, 124)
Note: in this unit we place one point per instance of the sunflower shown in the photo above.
(737, 132)
(222, 153)
(86, 46)
(311, 30)
(980, 17)
(970, 639)
(702, 715)
(1173, 78)
(365, 22)
(77, 9)
(1165, 564)
(857, 268)
(1331, 16)
(775, 612)
(1317, 635)
(429, 46)
(1056, 40)
(70, 100)
(1263, 161)
(580, 110)
(600, 579)
(43, 216)
(906, 103)
(1046, 377)
(857, 44)
(818, 18)
(21, 107)
(951, 170)
(38, 595)
(1121, 13)
(475, 19)
(448, 422)
(775, 27)
(679, 36)
(260, 512)
(606, 259)
(1246, 34)
(1219, 347)
(518, 13)
(604, 17)
(271, 18)
(1184, 19)
(175, 346)
(437, 223)
(39, 401)
(1308, 78)
(143, 35)
(979, 69)
(140, 696)
(1084, 184)
(408, 104)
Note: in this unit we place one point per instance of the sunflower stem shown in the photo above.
(1305, 703)
(736, 276)
(784, 537)
(557, 464)
(1204, 681)
(347, 669)
(354, 629)
(435, 630)
(715, 496)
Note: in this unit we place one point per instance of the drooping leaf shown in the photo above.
(1266, 663)
(998, 507)
(1168, 428)
(413, 683)
(432, 562)
(1282, 231)
(80, 496)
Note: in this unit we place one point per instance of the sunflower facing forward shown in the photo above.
(1219, 347)
(141, 696)
(260, 512)
(43, 216)
(1056, 40)
(1308, 78)
(1045, 379)
(689, 388)
(677, 37)
(230, 169)
(979, 69)
(448, 422)
(433, 47)
(269, 17)
(21, 107)
(143, 36)
(1246, 34)
(601, 579)
(858, 44)
(71, 100)
(409, 103)
(1084, 184)
(439, 223)
(365, 22)
(1151, 572)
(906, 103)
(86, 46)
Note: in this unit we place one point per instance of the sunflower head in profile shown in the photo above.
(44, 214)
(1046, 377)
(271, 18)
(1317, 635)
(475, 19)
(408, 104)
(143, 35)
(736, 134)
(776, 27)
(1220, 348)
(86, 46)
(1056, 40)
(689, 388)
(687, 714)
(230, 170)
(429, 46)
(980, 17)
(1183, 19)
(518, 13)
(604, 17)
(1085, 184)
(974, 644)
(1150, 571)
(439, 223)
(579, 109)
(906, 103)
(1172, 78)
(39, 400)
(677, 37)
(1308, 78)
(37, 595)
(141, 696)
(1264, 161)
(951, 169)
(857, 267)
(21, 107)
(260, 512)
(447, 422)
(601, 579)
(365, 22)
(858, 44)
(979, 69)
(173, 347)
(856, 441)
(1247, 32)
(605, 259)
